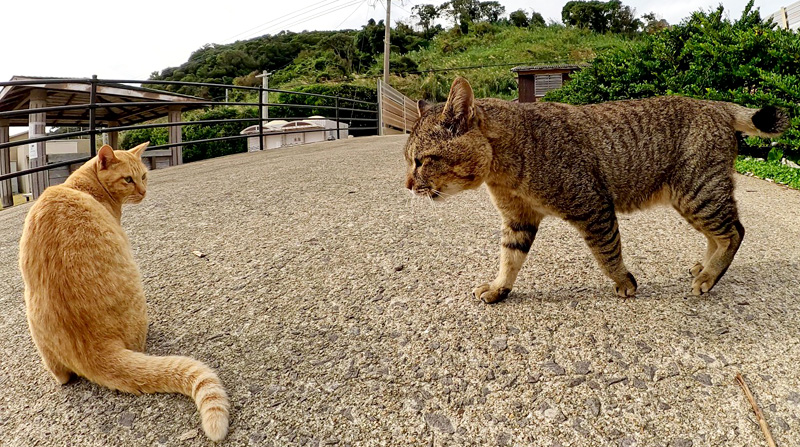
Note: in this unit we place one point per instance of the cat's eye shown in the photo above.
(144, 176)
(417, 162)
(129, 179)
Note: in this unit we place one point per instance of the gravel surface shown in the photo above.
(337, 311)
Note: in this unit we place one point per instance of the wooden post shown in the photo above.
(112, 138)
(387, 41)
(37, 151)
(6, 196)
(175, 136)
(380, 107)
(784, 18)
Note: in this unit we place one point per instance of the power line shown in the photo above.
(310, 9)
(320, 14)
(351, 14)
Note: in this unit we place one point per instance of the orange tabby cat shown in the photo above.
(83, 291)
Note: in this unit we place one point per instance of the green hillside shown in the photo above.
(349, 56)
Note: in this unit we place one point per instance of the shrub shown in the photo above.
(707, 56)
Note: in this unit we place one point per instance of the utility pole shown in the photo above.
(386, 43)
(265, 95)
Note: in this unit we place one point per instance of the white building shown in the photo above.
(280, 133)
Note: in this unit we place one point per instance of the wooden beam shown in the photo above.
(175, 135)
(38, 151)
(6, 196)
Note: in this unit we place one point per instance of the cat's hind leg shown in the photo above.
(600, 230)
(517, 237)
(712, 211)
(61, 373)
(711, 247)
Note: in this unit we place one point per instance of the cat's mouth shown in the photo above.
(134, 199)
(428, 192)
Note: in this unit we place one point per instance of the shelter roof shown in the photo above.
(71, 91)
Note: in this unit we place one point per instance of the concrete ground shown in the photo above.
(337, 311)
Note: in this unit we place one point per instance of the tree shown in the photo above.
(601, 17)
(519, 18)
(462, 10)
(491, 11)
(622, 19)
(536, 19)
(426, 16)
(343, 46)
(653, 24)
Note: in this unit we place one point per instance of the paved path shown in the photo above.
(337, 312)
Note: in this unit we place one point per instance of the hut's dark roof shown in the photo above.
(70, 91)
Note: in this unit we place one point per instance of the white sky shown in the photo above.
(130, 40)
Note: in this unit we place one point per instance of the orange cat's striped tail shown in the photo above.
(135, 372)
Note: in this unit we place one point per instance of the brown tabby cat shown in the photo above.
(83, 291)
(586, 163)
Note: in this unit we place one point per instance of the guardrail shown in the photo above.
(359, 115)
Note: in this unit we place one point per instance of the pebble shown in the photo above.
(593, 405)
(554, 368)
(703, 378)
(191, 434)
(555, 415)
(499, 344)
(503, 439)
(126, 419)
(583, 367)
(439, 422)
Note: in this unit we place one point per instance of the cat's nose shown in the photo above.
(410, 183)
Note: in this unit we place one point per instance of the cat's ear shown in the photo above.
(461, 101)
(105, 156)
(139, 150)
(422, 107)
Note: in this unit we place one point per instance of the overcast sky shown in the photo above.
(130, 40)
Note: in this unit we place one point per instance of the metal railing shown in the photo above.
(359, 112)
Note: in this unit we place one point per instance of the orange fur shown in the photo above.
(83, 291)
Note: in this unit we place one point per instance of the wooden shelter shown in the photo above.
(53, 92)
(535, 81)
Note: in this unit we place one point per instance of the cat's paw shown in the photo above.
(702, 283)
(627, 287)
(696, 269)
(489, 294)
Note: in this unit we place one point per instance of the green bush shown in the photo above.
(132, 138)
(320, 105)
(773, 170)
(200, 151)
(707, 56)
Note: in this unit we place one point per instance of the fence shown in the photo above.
(106, 107)
(398, 113)
(788, 17)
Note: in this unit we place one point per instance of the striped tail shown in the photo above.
(135, 372)
(766, 122)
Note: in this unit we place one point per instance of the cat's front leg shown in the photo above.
(516, 240)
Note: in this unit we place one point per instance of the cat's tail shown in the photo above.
(766, 122)
(135, 372)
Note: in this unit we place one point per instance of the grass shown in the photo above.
(494, 46)
(486, 45)
(783, 175)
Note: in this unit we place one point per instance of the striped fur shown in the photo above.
(585, 164)
(83, 291)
